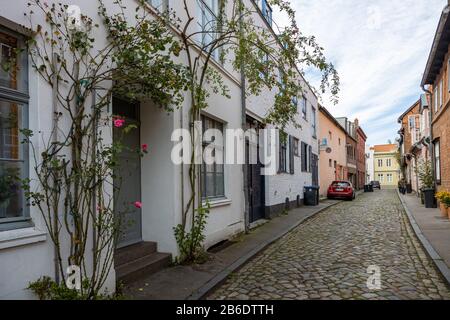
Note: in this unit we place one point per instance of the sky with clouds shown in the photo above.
(380, 48)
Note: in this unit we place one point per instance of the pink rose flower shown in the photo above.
(138, 204)
(118, 123)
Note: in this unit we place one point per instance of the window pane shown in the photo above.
(9, 130)
(11, 195)
(209, 168)
(8, 67)
(219, 185)
(209, 185)
(157, 4)
(212, 175)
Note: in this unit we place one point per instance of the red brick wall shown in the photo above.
(361, 158)
(441, 131)
(407, 134)
(441, 124)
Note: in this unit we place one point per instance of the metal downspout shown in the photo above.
(244, 124)
(430, 118)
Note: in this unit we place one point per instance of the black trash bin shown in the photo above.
(311, 195)
(368, 188)
(429, 198)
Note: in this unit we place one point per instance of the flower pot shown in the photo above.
(444, 210)
(430, 200)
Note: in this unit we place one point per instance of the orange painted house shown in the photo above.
(332, 154)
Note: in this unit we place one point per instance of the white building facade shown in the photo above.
(238, 194)
(370, 174)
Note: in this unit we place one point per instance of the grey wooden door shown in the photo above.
(128, 176)
(255, 181)
(315, 170)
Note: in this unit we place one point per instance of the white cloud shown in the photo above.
(379, 49)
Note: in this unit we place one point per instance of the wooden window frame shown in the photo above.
(18, 95)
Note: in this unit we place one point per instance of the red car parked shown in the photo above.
(341, 190)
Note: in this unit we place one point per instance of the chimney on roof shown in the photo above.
(356, 120)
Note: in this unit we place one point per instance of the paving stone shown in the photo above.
(327, 258)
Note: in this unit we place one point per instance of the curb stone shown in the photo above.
(431, 252)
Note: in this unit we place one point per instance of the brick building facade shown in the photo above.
(351, 146)
(437, 78)
(410, 122)
(360, 156)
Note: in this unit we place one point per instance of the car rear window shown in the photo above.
(340, 184)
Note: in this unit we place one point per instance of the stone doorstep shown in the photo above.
(219, 278)
(431, 252)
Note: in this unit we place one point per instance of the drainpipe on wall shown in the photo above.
(430, 118)
(182, 167)
(244, 167)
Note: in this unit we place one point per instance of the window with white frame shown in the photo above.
(388, 162)
(296, 147)
(266, 11)
(207, 24)
(304, 103)
(380, 162)
(295, 102)
(212, 175)
(415, 127)
(282, 153)
(160, 5)
(411, 123)
(305, 157)
(448, 76)
(265, 65)
(381, 177)
(390, 177)
(437, 160)
(13, 118)
(441, 93)
(435, 97)
(314, 124)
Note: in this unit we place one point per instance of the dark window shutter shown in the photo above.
(280, 152)
(303, 157)
(310, 159)
(291, 154)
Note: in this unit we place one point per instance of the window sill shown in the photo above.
(214, 203)
(20, 237)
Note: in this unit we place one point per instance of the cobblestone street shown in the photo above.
(327, 257)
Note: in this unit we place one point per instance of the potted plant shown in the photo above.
(425, 173)
(422, 200)
(444, 202)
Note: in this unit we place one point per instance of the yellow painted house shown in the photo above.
(386, 166)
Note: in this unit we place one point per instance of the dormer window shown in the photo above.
(266, 11)
(208, 24)
(159, 5)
